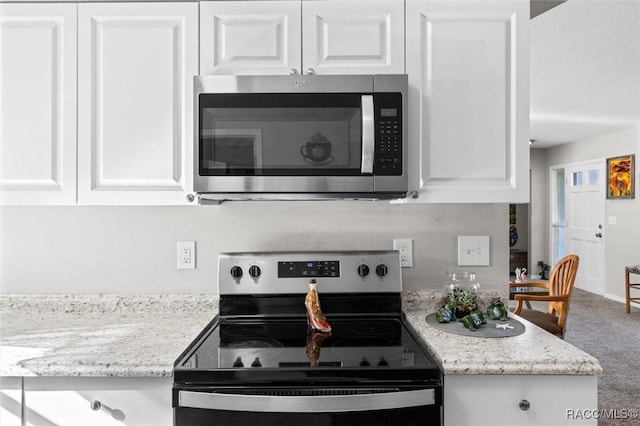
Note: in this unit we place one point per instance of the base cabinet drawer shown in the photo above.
(82, 401)
(520, 400)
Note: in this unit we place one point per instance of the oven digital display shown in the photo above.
(310, 268)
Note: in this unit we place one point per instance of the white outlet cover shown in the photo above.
(186, 255)
(406, 258)
(474, 251)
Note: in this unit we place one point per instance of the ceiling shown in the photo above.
(585, 70)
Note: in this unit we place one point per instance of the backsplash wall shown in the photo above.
(133, 249)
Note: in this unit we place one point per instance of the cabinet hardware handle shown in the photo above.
(190, 198)
(293, 71)
(116, 414)
(311, 71)
(524, 405)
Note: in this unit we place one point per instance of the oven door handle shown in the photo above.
(368, 134)
(307, 404)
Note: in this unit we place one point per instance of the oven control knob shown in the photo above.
(256, 362)
(382, 270)
(238, 363)
(363, 270)
(236, 272)
(255, 271)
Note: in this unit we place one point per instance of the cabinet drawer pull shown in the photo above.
(524, 405)
(116, 414)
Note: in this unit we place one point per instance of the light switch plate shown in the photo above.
(473, 251)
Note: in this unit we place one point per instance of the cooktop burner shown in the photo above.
(242, 330)
(373, 328)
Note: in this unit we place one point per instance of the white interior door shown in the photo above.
(585, 197)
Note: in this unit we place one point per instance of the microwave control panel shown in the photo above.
(388, 138)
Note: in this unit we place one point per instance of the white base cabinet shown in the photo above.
(501, 400)
(82, 401)
(11, 401)
(468, 67)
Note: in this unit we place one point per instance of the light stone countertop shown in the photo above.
(141, 335)
(534, 352)
(128, 335)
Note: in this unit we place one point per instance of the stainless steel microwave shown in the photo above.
(300, 137)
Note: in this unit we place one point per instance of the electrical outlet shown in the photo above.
(186, 255)
(405, 247)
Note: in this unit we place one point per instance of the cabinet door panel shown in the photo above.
(10, 401)
(350, 37)
(249, 37)
(468, 72)
(490, 400)
(38, 103)
(123, 401)
(136, 68)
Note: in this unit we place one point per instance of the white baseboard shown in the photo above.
(619, 299)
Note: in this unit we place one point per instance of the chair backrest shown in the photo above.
(561, 283)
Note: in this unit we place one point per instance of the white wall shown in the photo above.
(133, 249)
(622, 241)
(539, 208)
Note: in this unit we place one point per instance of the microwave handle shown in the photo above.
(368, 134)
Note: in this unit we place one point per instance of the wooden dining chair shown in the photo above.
(559, 289)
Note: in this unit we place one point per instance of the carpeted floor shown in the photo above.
(601, 328)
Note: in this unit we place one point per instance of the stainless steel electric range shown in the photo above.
(258, 362)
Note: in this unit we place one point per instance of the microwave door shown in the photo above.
(368, 137)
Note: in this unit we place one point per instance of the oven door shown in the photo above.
(308, 406)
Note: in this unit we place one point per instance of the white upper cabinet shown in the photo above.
(468, 66)
(278, 37)
(37, 103)
(249, 37)
(343, 37)
(135, 101)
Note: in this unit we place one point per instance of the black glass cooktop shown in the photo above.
(287, 344)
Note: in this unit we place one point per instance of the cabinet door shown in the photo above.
(495, 400)
(249, 37)
(353, 36)
(38, 103)
(82, 401)
(10, 401)
(469, 100)
(135, 78)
